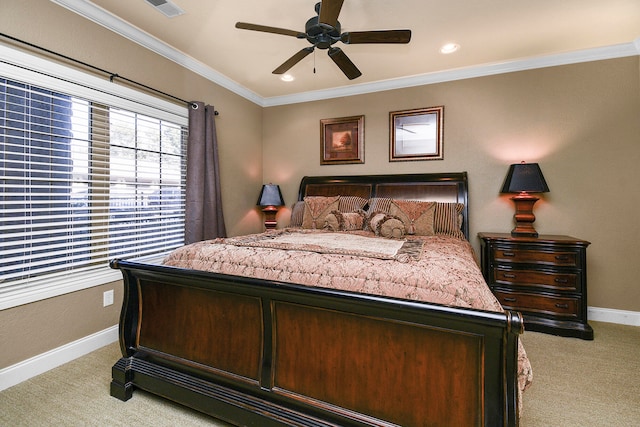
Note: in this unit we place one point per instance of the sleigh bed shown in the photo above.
(383, 329)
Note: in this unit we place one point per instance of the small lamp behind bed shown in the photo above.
(269, 200)
(524, 178)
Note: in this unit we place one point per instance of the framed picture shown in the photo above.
(416, 134)
(342, 140)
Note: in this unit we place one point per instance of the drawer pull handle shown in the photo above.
(511, 254)
(509, 299)
(562, 257)
(509, 275)
(561, 280)
(562, 305)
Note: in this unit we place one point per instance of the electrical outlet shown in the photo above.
(107, 298)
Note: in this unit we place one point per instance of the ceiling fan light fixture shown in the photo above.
(449, 48)
(287, 78)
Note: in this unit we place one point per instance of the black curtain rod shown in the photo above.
(112, 76)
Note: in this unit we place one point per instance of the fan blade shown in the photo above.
(342, 60)
(293, 60)
(274, 30)
(329, 11)
(382, 36)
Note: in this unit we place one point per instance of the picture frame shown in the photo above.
(416, 134)
(342, 140)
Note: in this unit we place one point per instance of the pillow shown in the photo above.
(387, 226)
(348, 221)
(373, 220)
(392, 228)
(447, 219)
(416, 216)
(316, 209)
(297, 212)
(351, 204)
(378, 204)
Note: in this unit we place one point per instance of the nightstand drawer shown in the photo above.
(560, 258)
(559, 281)
(541, 304)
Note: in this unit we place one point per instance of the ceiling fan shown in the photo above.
(323, 31)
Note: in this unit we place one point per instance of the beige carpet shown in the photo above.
(584, 383)
(576, 383)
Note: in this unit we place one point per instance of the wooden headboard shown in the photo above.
(437, 187)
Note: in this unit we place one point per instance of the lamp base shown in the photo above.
(519, 233)
(270, 221)
(524, 215)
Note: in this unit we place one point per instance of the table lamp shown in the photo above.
(269, 200)
(523, 179)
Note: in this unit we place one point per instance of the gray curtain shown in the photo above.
(203, 209)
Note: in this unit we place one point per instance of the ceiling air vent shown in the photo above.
(166, 7)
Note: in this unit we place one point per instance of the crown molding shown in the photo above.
(96, 14)
(90, 11)
(575, 57)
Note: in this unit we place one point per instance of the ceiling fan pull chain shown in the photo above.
(314, 61)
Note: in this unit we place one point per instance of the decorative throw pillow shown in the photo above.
(373, 220)
(447, 219)
(351, 204)
(392, 228)
(416, 216)
(348, 221)
(387, 226)
(316, 209)
(297, 212)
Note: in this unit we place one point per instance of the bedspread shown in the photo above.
(442, 270)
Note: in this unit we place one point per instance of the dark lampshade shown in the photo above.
(524, 177)
(270, 195)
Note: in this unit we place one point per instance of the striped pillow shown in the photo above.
(447, 219)
(351, 204)
(379, 204)
(297, 212)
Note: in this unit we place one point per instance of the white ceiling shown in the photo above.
(494, 35)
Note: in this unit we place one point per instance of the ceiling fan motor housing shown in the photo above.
(321, 35)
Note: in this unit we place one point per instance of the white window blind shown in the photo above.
(84, 178)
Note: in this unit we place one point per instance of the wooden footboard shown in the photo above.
(255, 352)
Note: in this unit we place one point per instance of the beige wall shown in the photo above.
(580, 122)
(32, 329)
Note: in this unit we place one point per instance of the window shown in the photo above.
(83, 181)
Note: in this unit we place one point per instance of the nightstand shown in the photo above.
(544, 278)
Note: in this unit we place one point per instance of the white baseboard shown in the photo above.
(37, 365)
(610, 315)
(41, 363)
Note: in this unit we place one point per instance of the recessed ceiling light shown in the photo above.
(287, 78)
(449, 48)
